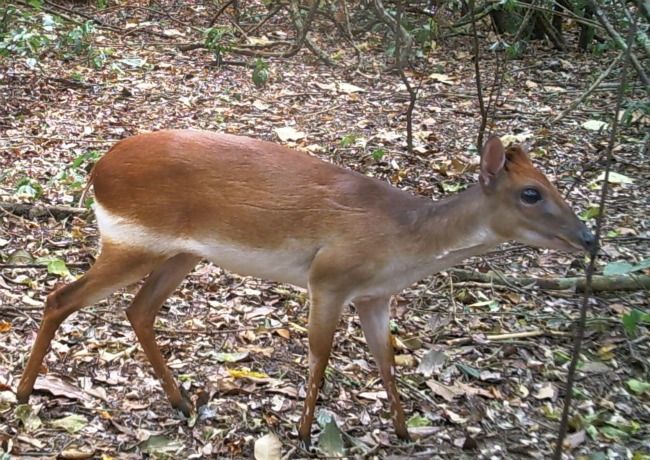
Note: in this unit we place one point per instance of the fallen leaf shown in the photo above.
(372, 395)
(444, 391)
(594, 125)
(289, 134)
(268, 447)
(330, 440)
(72, 423)
(59, 387)
(547, 391)
(405, 360)
(454, 417)
(615, 178)
(431, 362)
(28, 416)
(76, 453)
(231, 357)
(442, 78)
(349, 88)
(284, 333)
(159, 445)
(573, 440)
(246, 374)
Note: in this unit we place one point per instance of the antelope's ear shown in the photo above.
(493, 157)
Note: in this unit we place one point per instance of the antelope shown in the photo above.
(166, 200)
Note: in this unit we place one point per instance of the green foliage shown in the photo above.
(25, 34)
(417, 421)
(74, 176)
(509, 5)
(638, 386)
(260, 73)
(349, 140)
(424, 34)
(218, 40)
(591, 212)
(514, 51)
(378, 154)
(633, 319)
(30, 33)
(28, 188)
(79, 39)
(633, 111)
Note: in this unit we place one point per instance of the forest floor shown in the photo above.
(240, 344)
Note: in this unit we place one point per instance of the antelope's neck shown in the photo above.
(455, 228)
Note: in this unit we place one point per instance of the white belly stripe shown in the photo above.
(289, 264)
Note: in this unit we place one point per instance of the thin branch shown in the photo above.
(273, 12)
(400, 61)
(34, 210)
(477, 74)
(221, 9)
(580, 326)
(591, 89)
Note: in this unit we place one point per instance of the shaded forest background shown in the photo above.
(403, 91)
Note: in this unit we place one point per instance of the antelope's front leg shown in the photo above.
(375, 315)
(324, 315)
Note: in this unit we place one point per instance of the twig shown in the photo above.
(591, 89)
(522, 26)
(515, 335)
(400, 61)
(580, 326)
(50, 10)
(34, 210)
(99, 22)
(477, 74)
(265, 20)
(221, 9)
(42, 266)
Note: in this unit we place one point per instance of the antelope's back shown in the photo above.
(197, 184)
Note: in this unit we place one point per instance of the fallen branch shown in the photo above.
(600, 283)
(35, 210)
(507, 336)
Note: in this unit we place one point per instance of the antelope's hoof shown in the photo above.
(305, 444)
(404, 436)
(185, 404)
(21, 397)
(23, 394)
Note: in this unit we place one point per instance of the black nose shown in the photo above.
(588, 240)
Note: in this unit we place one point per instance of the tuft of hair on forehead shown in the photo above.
(518, 163)
(515, 153)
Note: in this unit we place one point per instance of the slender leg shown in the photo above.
(375, 315)
(324, 315)
(115, 267)
(142, 314)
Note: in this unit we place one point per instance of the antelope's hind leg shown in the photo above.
(142, 313)
(116, 267)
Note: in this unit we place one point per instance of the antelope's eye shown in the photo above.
(530, 195)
